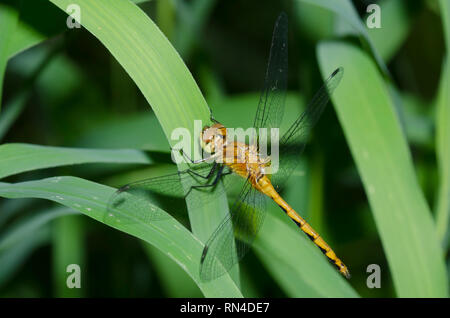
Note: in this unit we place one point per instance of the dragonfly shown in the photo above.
(233, 237)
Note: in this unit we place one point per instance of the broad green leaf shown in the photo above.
(148, 57)
(159, 72)
(381, 154)
(91, 199)
(17, 158)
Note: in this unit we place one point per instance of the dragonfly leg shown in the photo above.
(194, 161)
(220, 173)
(210, 173)
(211, 117)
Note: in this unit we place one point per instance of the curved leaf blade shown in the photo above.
(18, 158)
(382, 157)
(91, 199)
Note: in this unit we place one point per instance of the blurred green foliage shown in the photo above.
(69, 89)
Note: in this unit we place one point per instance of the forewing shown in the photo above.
(233, 237)
(271, 103)
(294, 140)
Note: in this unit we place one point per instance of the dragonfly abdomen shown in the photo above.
(264, 185)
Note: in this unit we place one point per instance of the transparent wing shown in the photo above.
(271, 103)
(294, 140)
(233, 237)
(136, 201)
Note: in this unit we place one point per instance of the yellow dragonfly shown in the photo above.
(225, 156)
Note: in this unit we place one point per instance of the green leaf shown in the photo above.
(17, 158)
(148, 57)
(91, 199)
(381, 153)
(159, 72)
(443, 136)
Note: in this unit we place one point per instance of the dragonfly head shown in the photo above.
(213, 137)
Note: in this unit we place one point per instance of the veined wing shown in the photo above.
(294, 140)
(233, 237)
(271, 103)
(136, 201)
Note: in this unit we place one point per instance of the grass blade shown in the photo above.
(379, 148)
(443, 135)
(17, 158)
(168, 235)
(148, 57)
